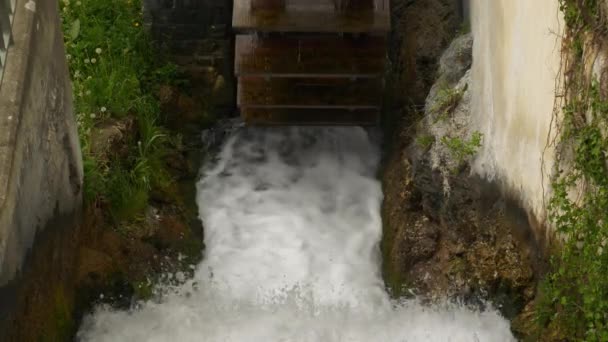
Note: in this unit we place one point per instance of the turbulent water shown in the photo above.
(292, 227)
(516, 60)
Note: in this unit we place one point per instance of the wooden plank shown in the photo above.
(337, 5)
(312, 16)
(309, 92)
(317, 117)
(267, 4)
(293, 56)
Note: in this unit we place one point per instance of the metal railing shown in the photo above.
(7, 13)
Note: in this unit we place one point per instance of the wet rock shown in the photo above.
(446, 232)
(94, 266)
(213, 137)
(416, 243)
(422, 30)
(167, 95)
(456, 60)
(219, 85)
(110, 138)
(172, 233)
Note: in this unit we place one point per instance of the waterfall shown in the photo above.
(292, 228)
(516, 61)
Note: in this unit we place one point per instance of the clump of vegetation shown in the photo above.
(447, 100)
(573, 303)
(425, 141)
(461, 149)
(115, 71)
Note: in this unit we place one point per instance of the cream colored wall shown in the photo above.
(515, 64)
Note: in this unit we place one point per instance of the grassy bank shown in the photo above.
(573, 302)
(140, 222)
(115, 71)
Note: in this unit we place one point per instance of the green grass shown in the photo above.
(425, 141)
(461, 149)
(115, 71)
(447, 101)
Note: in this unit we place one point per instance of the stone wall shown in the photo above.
(40, 160)
(197, 36)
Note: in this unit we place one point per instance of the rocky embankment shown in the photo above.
(449, 234)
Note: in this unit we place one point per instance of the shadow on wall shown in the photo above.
(40, 159)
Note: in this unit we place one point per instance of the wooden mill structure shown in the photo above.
(318, 62)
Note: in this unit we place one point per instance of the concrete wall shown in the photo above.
(516, 63)
(40, 160)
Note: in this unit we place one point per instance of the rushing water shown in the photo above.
(292, 227)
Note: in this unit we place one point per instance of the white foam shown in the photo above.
(292, 228)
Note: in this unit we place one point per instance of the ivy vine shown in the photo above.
(573, 300)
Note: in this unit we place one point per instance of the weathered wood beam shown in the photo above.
(276, 5)
(310, 92)
(353, 5)
(316, 117)
(292, 57)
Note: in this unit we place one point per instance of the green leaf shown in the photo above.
(75, 29)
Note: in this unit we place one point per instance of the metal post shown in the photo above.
(7, 10)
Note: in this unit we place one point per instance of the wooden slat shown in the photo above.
(311, 16)
(309, 92)
(267, 4)
(334, 56)
(317, 117)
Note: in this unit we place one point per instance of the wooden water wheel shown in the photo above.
(316, 62)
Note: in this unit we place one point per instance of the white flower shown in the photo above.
(87, 61)
(68, 57)
(89, 77)
(600, 251)
(93, 60)
(103, 109)
(80, 94)
(88, 92)
(77, 74)
(98, 51)
(93, 116)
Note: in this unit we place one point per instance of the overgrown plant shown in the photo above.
(461, 149)
(573, 302)
(114, 72)
(447, 101)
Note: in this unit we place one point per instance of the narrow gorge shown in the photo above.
(476, 210)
